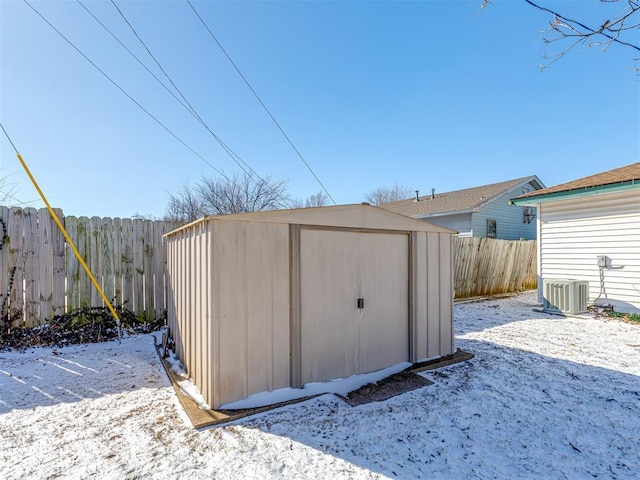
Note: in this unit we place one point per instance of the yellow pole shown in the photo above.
(70, 242)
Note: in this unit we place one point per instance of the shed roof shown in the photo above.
(363, 216)
(611, 180)
(458, 201)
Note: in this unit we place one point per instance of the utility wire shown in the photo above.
(188, 108)
(260, 100)
(186, 105)
(8, 138)
(124, 92)
(225, 147)
(132, 54)
(66, 236)
(235, 157)
(154, 58)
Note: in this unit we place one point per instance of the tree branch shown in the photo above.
(609, 29)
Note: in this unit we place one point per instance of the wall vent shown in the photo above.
(566, 296)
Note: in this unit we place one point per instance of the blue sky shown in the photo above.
(428, 94)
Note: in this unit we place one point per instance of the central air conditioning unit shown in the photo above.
(566, 296)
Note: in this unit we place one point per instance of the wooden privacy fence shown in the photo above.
(40, 277)
(486, 266)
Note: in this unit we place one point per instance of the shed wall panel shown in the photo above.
(232, 326)
(259, 295)
(250, 329)
(267, 306)
(280, 302)
(214, 398)
(209, 346)
(190, 317)
(445, 255)
(433, 294)
(420, 297)
(200, 275)
(189, 282)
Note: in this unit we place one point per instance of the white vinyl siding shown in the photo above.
(573, 233)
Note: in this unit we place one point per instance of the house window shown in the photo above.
(492, 229)
(528, 214)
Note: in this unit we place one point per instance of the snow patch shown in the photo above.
(544, 397)
(341, 386)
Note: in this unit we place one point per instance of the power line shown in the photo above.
(260, 100)
(235, 157)
(186, 105)
(123, 91)
(7, 194)
(8, 138)
(153, 57)
(132, 54)
(225, 147)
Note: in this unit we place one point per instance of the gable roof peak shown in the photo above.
(464, 200)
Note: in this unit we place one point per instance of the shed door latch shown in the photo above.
(360, 303)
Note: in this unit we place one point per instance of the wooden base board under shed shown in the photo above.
(386, 388)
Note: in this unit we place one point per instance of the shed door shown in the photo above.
(337, 268)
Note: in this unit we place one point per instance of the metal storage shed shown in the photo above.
(261, 301)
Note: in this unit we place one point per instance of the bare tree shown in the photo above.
(8, 191)
(185, 205)
(388, 194)
(621, 29)
(226, 195)
(319, 199)
(144, 216)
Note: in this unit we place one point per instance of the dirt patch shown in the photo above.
(389, 387)
(386, 388)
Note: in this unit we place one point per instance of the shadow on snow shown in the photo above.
(507, 413)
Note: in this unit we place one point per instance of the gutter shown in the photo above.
(577, 193)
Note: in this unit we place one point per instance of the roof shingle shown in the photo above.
(456, 201)
(618, 175)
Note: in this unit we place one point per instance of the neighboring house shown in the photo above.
(589, 229)
(477, 212)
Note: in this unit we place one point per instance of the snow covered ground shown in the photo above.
(545, 397)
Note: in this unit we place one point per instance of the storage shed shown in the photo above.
(261, 301)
